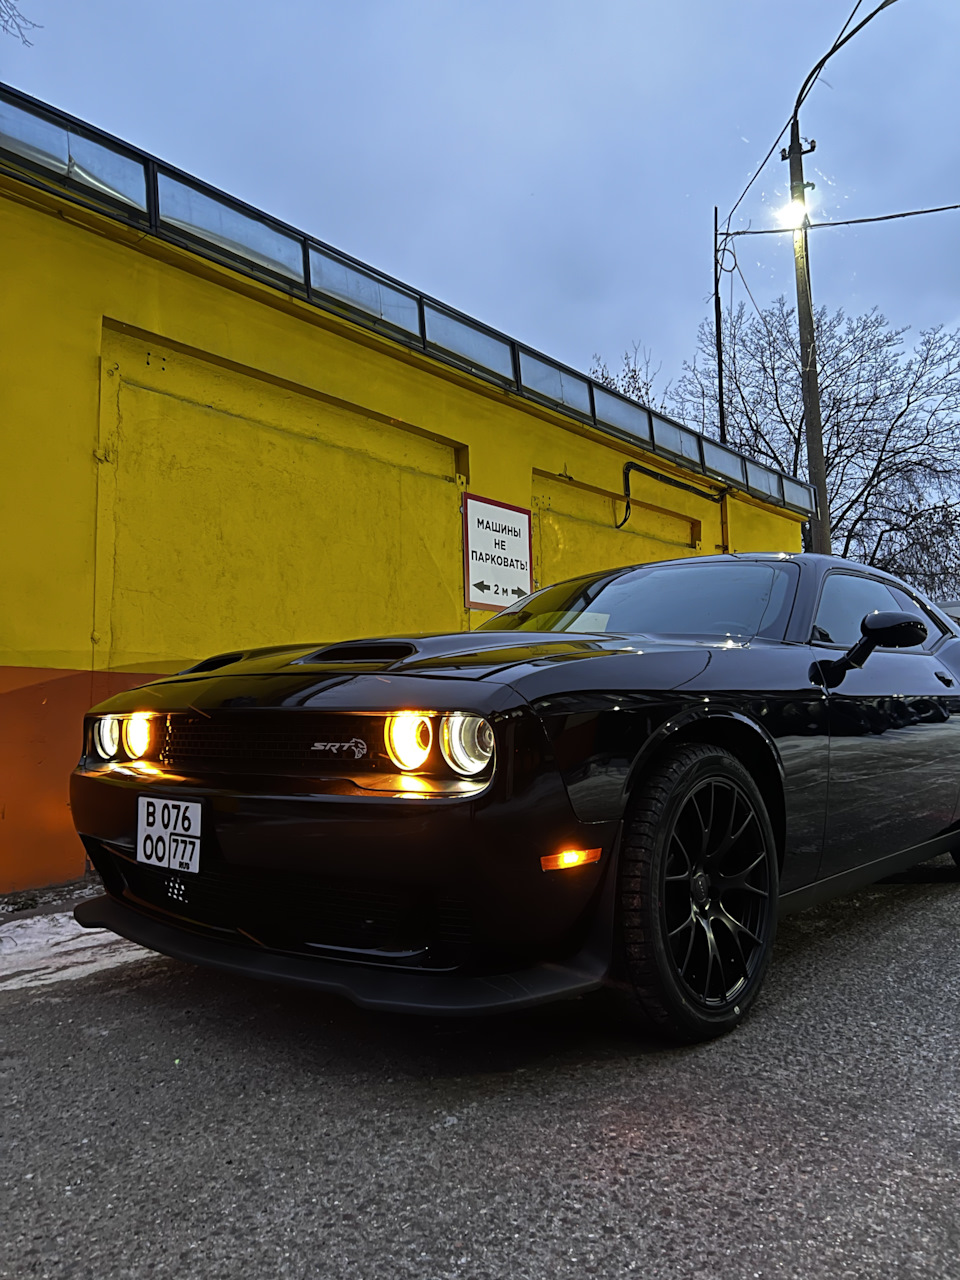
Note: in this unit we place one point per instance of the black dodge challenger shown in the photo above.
(620, 781)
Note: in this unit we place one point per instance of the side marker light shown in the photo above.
(569, 858)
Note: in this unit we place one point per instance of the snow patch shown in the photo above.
(44, 949)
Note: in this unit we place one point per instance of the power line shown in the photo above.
(845, 222)
(736, 269)
(763, 163)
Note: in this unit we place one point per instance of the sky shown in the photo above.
(549, 167)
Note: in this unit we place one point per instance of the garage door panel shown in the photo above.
(218, 529)
(576, 532)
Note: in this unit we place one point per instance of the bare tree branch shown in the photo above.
(636, 379)
(891, 420)
(13, 23)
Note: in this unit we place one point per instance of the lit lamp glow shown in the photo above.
(793, 215)
(106, 736)
(136, 735)
(409, 737)
(568, 858)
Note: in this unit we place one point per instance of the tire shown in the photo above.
(698, 889)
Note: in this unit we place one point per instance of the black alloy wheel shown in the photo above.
(698, 893)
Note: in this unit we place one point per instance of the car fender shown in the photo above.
(743, 736)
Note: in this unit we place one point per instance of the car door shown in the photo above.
(894, 730)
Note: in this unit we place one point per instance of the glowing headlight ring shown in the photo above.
(136, 735)
(408, 738)
(467, 743)
(106, 736)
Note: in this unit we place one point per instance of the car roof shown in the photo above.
(806, 559)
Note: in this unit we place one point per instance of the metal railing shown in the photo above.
(49, 149)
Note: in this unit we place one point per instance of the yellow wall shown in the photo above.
(194, 462)
(262, 512)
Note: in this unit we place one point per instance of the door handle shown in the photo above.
(944, 678)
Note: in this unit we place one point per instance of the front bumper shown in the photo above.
(425, 887)
(371, 988)
(432, 899)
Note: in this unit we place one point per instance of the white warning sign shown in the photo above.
(496, 553)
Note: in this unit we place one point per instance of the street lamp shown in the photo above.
(796, 216)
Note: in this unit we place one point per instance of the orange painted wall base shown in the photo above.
(41, 717)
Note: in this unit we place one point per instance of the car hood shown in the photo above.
(478, 668)
(467, 654)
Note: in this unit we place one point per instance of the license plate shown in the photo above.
(168, 833)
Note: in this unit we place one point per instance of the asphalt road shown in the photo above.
(162, 1121)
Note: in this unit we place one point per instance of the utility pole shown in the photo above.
(810, 381)
(813, 428)
(718, 332)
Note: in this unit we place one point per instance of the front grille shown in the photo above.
(256, 743)
(285, 911)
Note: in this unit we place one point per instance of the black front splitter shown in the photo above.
(448, 993)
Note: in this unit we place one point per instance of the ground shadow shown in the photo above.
(326, 1032)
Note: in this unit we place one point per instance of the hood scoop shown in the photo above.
(361, 651)
(212, 664)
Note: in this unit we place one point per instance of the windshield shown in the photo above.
(720, 599)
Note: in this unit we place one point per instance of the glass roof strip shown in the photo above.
(763, 480)
(546, 379)
(229, 228)
(108, 172)
(723, 461)
(625, 415)
(673, 438)
(73, 156)
(469, 343)
(343, 282)
(798, 494)
(35, 139)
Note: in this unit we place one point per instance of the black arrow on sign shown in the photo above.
(518, 591)
(482, 586)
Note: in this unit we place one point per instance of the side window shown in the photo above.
(935, 630)
(845, 598)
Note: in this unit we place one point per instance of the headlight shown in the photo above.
(408, 739)
(106, 736)
(466, 743)
(136, 735)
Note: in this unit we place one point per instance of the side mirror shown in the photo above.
(887, 630)
(892, 630)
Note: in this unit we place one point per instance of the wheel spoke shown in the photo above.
(739, 879)
(758, 861)
(687, 924)
(715, 958)
(711, 951)
(750, 818)
(724, 885)
(731, 837)
(708, 824)
(689, 952)
(739, 959)
(676, 842)
(725, 838)
(736, 927)
(701, 820)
